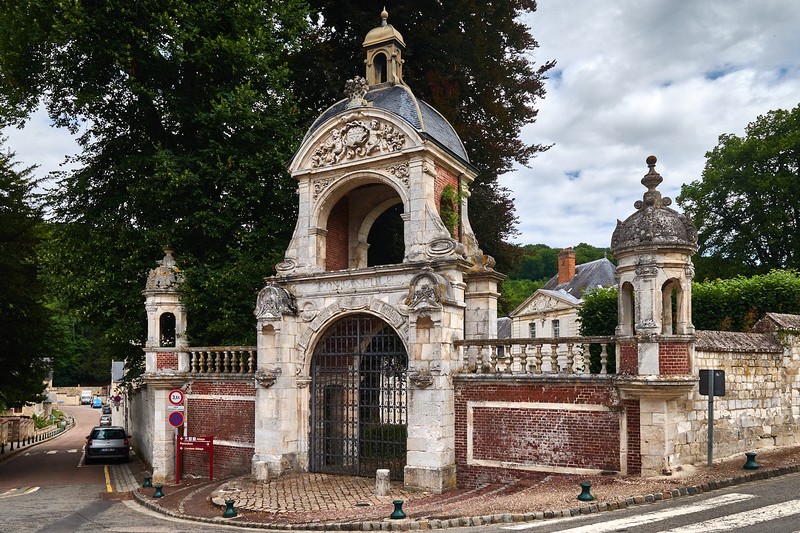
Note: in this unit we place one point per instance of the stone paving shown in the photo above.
(311, 492)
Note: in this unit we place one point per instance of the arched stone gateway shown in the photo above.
(358, 399)
(356, 330)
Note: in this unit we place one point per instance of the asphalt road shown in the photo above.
(48, 488)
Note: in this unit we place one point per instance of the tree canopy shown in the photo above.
(24, 319)
(187, 121)
(746, 205)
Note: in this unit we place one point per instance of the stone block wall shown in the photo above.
(761, 406)
(520, 428)
(142, 430)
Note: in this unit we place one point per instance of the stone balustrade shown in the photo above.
(222, 360)
(538, 357)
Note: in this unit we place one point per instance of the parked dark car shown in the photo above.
(106, 409)
(109, 442)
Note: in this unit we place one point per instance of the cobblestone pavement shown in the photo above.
(328, 502)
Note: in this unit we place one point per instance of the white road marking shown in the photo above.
(646, 518)
(747, 518)
(51, 452)
(73, 450)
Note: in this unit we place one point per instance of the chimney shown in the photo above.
(566, 265)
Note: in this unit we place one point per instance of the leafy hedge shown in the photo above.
(719, 305)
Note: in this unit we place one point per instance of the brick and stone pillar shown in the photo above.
(166, 364)
(655, 335)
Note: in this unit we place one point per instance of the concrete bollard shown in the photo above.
(382, 484)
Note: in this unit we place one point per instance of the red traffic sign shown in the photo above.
(176, 397)
(176, 419)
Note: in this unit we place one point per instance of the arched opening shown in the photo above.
(386, 245)
(364, 227)
(379, 63)
(166, 330)
(671, 303)
(358, 399)
(626, 310)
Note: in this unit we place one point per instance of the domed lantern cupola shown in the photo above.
(654, 247)
(384, 46)
(166, 316)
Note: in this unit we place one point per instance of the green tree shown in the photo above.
(24, 319)
(187, 121)
(746, 205)
(515, 291)
(598, 313)
(538, 262)
(469, 59)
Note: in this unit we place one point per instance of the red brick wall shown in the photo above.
(337, 239)
(673, 358)
(628, 358)
(536, 436)
(226, 419)
(228, 461)
(632, 414)
(167, 360)
(443, 179)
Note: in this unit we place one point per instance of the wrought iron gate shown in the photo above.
(358, 399)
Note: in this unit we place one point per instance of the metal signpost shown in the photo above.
(712, 383)
(203, 444)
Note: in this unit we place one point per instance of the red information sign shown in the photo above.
(202, 444)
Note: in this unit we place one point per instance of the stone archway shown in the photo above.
(358, 410)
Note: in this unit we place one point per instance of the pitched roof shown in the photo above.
(735, 341)
(777, 321)
(598, 273)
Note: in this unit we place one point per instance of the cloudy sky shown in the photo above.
(642, 77)
(634, 78)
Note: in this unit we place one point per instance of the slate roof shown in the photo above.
(600, 272)
(399, 100)
(504, 328)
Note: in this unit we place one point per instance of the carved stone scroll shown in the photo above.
(358, 139)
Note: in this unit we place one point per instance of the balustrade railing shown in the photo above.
(222, 360)
(543, 356)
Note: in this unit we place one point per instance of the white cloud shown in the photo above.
(636, 78)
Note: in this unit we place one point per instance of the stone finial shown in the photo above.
(166, 276)
(384, 17)
(651, 180)
(355, 89)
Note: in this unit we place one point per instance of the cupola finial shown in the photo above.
(384, 17)
(651, 180)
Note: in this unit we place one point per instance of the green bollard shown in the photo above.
(584, 496)
(158, 493)
(148, 480)
(230, 512)
(398, 513)
(751, 461)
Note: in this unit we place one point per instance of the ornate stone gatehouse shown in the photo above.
(383, 273)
